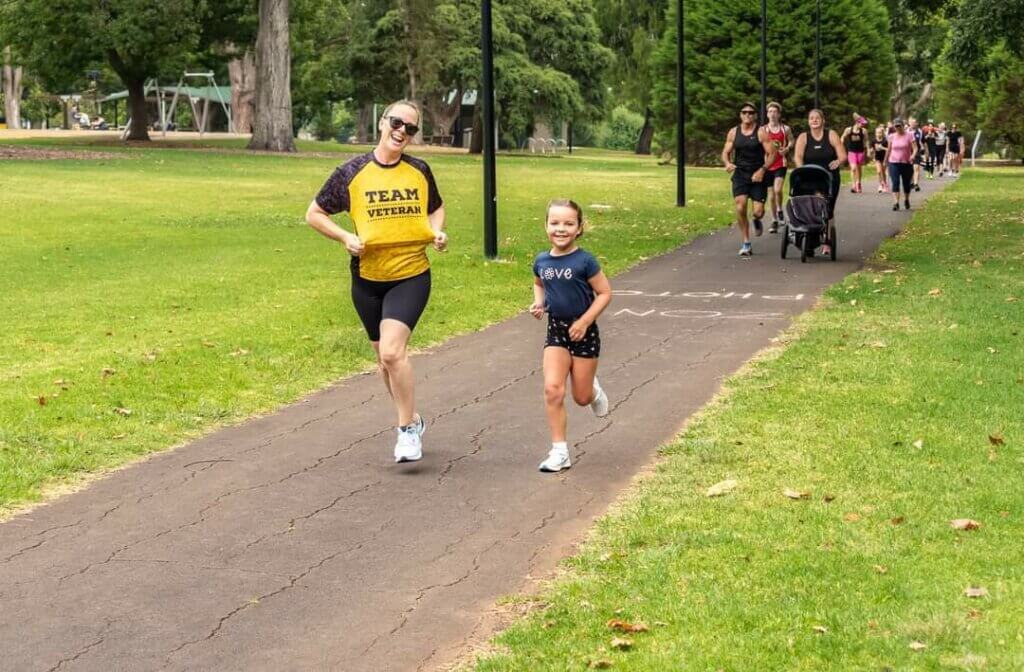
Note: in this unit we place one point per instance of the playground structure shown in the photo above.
(200, 99)
(544, 145)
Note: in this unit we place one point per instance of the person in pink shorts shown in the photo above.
(855, 141)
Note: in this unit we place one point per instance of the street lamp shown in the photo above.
(764, 62)
(681, 111)
(817, 56)
(487, 91)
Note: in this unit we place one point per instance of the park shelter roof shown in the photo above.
(200, 92)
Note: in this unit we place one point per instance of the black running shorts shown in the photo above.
(402, 300)
(558, 337)
(743, 186)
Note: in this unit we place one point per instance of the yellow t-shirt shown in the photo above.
(388, 205)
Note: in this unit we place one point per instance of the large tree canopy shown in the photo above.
(723, 65)
(137, 38)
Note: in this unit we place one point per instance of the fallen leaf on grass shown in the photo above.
(209, 344)
(108, 372)
(795, 494)
(820, 629)
(935, 292)
(996, 439)
(879, 344)
(918, 646)
(898, 520)
(881, 569)
(975, 591)
(974, 614)
(1011, 299)
(123, 411)
(852, 517)
(41, 400)
(624, 626)
(600, 664)
(719, 489)
(239, 352)
(621, 643)
(919, 444)
(964, 524)
(828, 498)
(118, 436)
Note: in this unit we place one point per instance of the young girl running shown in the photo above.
(878, 146)
(570, 287)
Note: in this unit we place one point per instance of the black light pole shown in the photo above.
(764, 62)
(681, 104)
(487, 91)
(817, 57)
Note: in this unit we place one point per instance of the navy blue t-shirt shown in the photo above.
(566, 290)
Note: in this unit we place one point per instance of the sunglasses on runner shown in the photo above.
(748, 111)
(398, 122)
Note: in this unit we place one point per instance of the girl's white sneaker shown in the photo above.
(556, 460)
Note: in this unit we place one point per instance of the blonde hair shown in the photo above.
(408, 103)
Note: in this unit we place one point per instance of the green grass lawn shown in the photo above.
(895, 409)
(185, 288)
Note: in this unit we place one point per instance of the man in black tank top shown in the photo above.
(747, 154)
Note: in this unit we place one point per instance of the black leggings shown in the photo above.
(900, 171)
(402, 300)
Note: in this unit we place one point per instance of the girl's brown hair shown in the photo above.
(566, 203)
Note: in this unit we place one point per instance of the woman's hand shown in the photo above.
(440, 241)
(834, 165)
(729, 167)
(354, 245)
(537, 309)
(578, 329)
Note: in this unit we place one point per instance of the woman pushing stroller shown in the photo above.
(821, 146)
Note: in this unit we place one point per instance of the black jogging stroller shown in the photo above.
(808, 227)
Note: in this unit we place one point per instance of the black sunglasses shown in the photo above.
(398, 122)
(748, 111)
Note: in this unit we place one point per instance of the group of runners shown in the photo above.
(758, 157)
(397, 212)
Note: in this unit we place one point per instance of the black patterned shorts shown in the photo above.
(558, 337)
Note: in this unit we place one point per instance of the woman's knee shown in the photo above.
(582, 399)
(391, 355)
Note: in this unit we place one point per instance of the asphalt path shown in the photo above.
(294, 542)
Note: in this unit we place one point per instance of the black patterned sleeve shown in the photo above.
(333, 196)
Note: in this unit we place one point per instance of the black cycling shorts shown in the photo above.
(402, 300)
(743, 186)
(558, 337)
(777, 174)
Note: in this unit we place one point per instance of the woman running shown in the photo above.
(956, 149)
(878, 146)
(570, 287)
(902, 148)
(919, 158)
(855, 142)
(753, 154)
(781, 137)
(941, 140)
(931, 149)
(397, 211)
(821, 146)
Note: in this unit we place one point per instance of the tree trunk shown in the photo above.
(442, 113)
(12, 91)
(272, 128)
(476, 141)
(643, 143)
(242, 73)
(363, 124)
(137, 110)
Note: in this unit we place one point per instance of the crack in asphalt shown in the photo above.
(423, 592)
(78, 655)
(291, 524)
(292, 582)
(22, 551)
(473, 440)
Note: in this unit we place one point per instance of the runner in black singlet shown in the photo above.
(747, 154)
(821, 146)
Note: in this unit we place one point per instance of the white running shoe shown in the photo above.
(556, 460)
(408, 448)
(600, 403)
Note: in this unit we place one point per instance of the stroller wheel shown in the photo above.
(805, 249)
(785, 240)
(834, 242)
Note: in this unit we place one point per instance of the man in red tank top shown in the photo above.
(781, 137)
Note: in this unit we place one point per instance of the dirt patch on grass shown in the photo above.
(34, 153)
